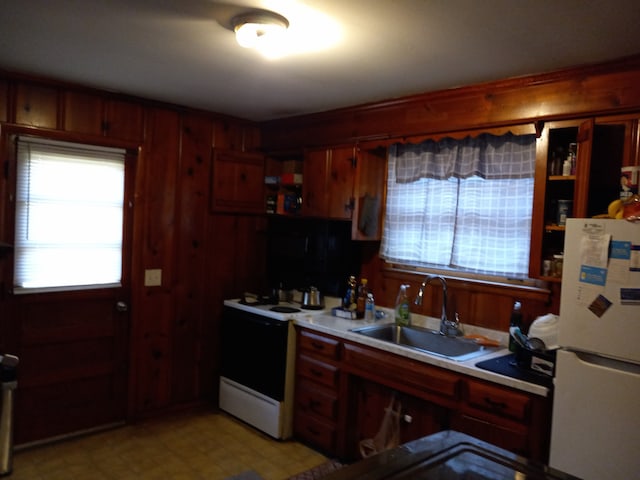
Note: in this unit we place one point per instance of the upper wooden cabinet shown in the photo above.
(36, 105)
(94, 114)
(602, 146)
(346, 183)
(328, 180)
(237, 182)
(369, 193)
(236, 135)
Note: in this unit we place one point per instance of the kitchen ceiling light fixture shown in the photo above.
(258, 27)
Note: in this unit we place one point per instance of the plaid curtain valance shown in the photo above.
(487, 156)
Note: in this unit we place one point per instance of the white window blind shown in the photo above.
(69, 215)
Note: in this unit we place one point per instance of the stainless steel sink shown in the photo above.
(426, 340)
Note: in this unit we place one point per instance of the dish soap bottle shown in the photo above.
(515, 321)
(370, 308)
(403, 316)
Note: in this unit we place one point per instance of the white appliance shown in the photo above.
(595, 430)
(257, 364)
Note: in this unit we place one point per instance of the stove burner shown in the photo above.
(285, 309)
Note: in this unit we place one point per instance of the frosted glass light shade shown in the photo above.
(252, 29)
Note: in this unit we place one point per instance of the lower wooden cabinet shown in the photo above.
(509, 418)
(369, 404)
(316, 407)
(343, 389)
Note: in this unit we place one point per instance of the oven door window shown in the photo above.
(254, 351)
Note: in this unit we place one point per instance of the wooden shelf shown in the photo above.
(557, 178)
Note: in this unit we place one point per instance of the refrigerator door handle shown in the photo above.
(607, 362)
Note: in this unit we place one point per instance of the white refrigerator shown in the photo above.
(595, 429)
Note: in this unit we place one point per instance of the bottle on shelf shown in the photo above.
(349, 300)
(370, 308)
(556, 164)
(361, 298)
(402, 314)
(573, 154)
(515, 321)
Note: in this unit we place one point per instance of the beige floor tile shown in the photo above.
(199, 445)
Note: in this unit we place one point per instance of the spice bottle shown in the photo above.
(361, 298)
(403, 316)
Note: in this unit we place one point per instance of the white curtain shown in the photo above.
(461, 204)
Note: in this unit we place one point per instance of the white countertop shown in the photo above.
(340, 327)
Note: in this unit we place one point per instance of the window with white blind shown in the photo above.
(461, 205)
(69, 216)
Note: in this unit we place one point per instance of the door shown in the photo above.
(314, 187)
(595, 428)
(598, 311)
(72, 343)
(328, 182)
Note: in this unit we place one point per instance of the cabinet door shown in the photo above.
(416, 418)
(553, 149)
(328, 182)
(340, 182)
(95, 115)
(314, 187)
(238, 182)
(123, 120)
(83, 112)
(369, 193)
(36, 106)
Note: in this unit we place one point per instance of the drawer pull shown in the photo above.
(495, 405)
(317, 345)
(316, 372)
(313, 431)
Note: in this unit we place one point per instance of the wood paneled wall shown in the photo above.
(204, 257)
(593, 90)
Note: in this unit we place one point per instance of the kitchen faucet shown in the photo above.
(449, 328)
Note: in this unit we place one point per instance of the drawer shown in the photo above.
(317, 371)
(311, 399)
(515, 440)
(499, 401)
(319, 434)
(319, 344)
(387, 367)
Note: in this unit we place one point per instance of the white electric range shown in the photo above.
(257, 363)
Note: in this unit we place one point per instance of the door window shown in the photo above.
(69, 216)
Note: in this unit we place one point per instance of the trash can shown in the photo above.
(8, 376)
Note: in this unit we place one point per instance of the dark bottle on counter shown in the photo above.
(361, 299)
(515, 321)
(349, 299)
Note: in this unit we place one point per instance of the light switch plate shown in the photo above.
(153, 277)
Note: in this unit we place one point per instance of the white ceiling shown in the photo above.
(184, 52)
